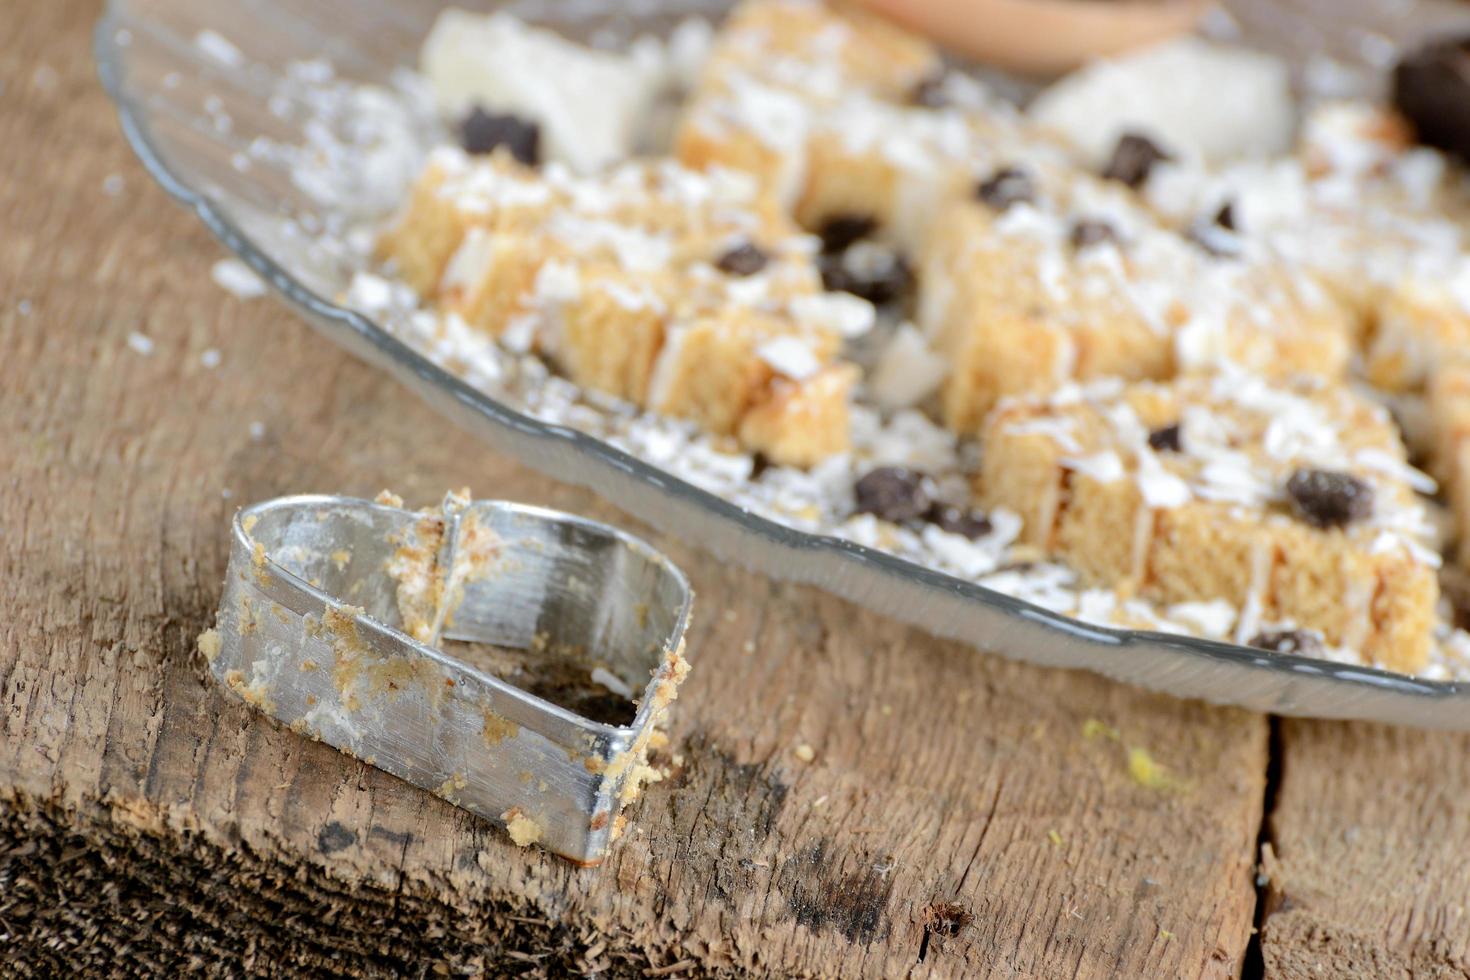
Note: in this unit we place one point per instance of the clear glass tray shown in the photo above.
(192, 107)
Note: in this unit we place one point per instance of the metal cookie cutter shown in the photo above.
(434, 645)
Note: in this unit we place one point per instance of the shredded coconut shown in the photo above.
(237, 278)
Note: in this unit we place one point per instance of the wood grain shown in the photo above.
(1367, 867)
(962, 815)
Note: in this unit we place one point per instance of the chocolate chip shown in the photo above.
(1431, 87)
(1288, 641)
(1166, 440)
(931, 92)
(842, 230)
(743, 260)
(869, 271)
(1327, 498)
(1088, 231)
(959, 520)
(1006, 187)
(481, 132)
(1133, 158)
(1225, 217)
(893, 493)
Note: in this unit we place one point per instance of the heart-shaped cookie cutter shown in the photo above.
(335, 618)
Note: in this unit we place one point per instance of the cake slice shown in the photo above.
(453, 196)
(686, 293)
(776, 67)
(1045, 276)
(1420, 324)
(1358, 207)
(899, 165)
(1290, 500)
(842, 116)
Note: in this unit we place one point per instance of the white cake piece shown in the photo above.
(590, 104)
(1197, 99)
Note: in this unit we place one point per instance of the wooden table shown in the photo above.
(963, 815)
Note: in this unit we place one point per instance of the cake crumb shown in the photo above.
(1055, 837)
(805, 753)
(1093, 728)
(1146, 771)
(141, 343)
(388, 499)
(209, 644)
(522, 829)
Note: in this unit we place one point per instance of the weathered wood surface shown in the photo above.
(1369, 859)
(957, 818)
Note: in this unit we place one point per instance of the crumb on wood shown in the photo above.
(804, 752)
(1146, 771)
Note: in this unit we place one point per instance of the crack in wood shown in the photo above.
(1254, 967)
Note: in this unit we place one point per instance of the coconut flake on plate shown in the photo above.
(907, 371)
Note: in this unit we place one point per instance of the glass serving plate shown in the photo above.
(196, 85)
